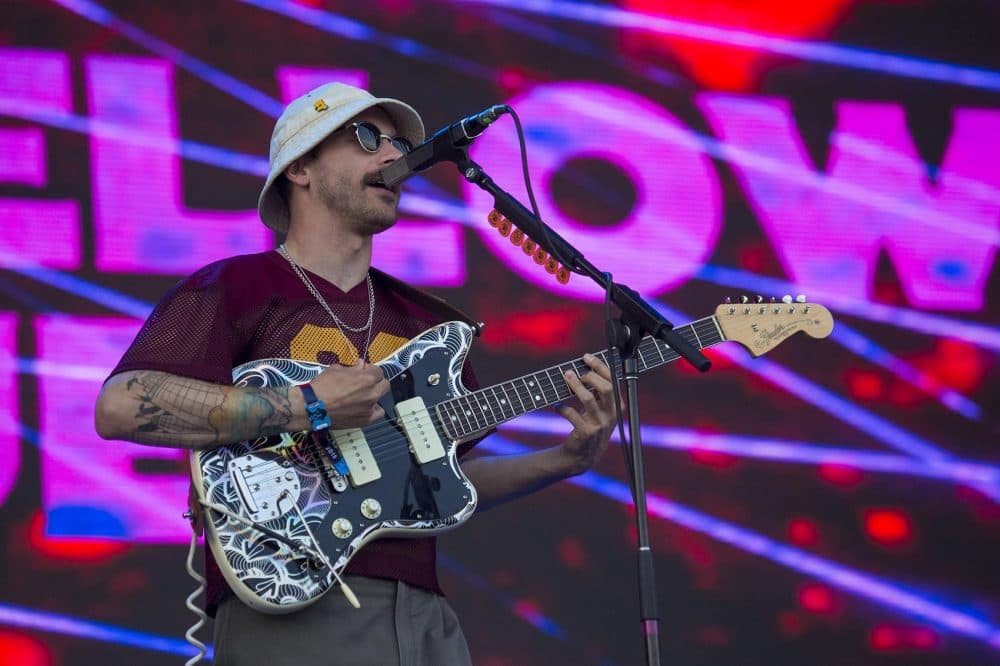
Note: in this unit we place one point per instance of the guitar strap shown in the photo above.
(430, 302)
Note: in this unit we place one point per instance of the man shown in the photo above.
(316, 298)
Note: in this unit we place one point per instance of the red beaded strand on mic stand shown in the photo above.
(530, 247)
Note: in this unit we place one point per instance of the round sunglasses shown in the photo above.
(370, 137)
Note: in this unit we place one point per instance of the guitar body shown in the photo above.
(278, 485)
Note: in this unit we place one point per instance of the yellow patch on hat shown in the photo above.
(320, 105)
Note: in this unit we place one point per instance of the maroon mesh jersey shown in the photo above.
(253, 307)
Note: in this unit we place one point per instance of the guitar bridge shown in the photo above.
(266, 488)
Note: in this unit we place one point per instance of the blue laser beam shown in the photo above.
(867, 348)
(866, 586)
(530, 28)
(212, 75)
(840, 408)
(780, 450)
(57, 623)
(109, 298)
(357, 31)
(832, 54)
(192, 150)
(928, 324)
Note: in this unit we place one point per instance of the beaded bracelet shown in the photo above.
(315, 408)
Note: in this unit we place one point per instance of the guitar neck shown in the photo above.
(468, 415)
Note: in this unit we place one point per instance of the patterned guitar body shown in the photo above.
(263, 498)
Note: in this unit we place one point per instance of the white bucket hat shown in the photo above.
(311, 118)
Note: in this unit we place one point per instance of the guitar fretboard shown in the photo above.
(477, 412)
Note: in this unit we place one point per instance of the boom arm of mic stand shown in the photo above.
(633, 307)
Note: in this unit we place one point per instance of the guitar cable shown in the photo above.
(189, 635)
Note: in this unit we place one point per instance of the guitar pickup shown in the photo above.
(423, 436)
(358, 455)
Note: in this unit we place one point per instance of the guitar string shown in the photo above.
(474, 423)
(488, 419)
(384, 436)
(387, 449)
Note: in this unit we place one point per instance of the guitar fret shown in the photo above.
(495, 404)
(715, 322)
(696, 338)
(515, 408)
(483, 409)
(463, 414)
(506, 408)
(533, 391)
(517, 394)
(643, 364)
(563, 390)
(555, 389)
(472, 411)
(659, 350)
(444, 421)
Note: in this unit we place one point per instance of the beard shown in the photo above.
(361, 205)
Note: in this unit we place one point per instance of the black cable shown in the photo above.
(616, 362)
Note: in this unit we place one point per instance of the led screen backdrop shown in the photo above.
(834, 501)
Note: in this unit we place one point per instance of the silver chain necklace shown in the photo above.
(283, 251)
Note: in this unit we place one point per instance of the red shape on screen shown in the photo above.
(23, 650)
(803, 532)
(74, 549)
(725, 67)
(888, 527)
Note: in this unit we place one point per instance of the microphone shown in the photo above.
(442, 146)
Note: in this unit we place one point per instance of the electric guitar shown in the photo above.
(285, 514)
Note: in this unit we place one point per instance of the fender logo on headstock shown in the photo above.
(761, 329)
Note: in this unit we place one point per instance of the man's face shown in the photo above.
(346, 177)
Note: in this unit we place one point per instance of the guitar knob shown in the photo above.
(801, 298)
(342, 528)
(371, 508)
(787, 298)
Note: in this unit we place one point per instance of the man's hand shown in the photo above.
(351, 393)
(593, 418)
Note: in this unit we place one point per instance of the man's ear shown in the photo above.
(296, 172)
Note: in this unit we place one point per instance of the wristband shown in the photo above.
(315, 408)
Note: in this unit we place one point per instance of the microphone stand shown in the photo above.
(638, 318)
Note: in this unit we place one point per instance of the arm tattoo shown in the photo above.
(173, 410)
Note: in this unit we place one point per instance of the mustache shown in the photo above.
(375, 179)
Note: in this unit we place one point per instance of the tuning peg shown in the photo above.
(774, 300)
(801, 298)
(728, 300)
(787, 298)
(760, 299)
(744, 299)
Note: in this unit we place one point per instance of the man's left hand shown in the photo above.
(593, 417)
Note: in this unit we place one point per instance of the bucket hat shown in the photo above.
(308, 120)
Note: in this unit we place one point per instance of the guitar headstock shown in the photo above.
(760, 326)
